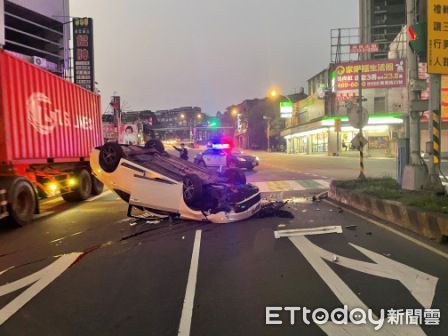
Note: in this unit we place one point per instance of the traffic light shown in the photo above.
(418, 34)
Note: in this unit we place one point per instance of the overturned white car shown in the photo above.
(151, 179)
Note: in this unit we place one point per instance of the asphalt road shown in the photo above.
(87, 269)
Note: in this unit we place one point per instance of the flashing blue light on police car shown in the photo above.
(220, 146)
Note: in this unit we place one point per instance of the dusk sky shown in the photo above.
(161, 54)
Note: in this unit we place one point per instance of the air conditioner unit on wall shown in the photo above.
(39, 61)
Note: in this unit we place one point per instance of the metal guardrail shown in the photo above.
(3, 203)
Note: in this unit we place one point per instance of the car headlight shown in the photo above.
(257, 158)
(242, 159)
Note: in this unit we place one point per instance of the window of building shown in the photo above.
(319, 142)
(379, 104)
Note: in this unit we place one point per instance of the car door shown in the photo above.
(208, 158)
(157, 193)
(220, 158)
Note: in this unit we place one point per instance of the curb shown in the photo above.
(427, 224)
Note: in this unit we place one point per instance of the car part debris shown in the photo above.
(319, 197)
(274, 209)
(351, 227)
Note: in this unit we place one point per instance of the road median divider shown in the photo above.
(421, 212)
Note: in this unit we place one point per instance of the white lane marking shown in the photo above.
(346, 296)
(62, 238)
(106, 193)
(296, 185)
(187, 309)
(386, 227)
(6, 270)
(43, 214)
(308, 231)
(290, 185)
(38, 282)
(324, 183)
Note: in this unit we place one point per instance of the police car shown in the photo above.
(222, 155)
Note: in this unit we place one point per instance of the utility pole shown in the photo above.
(268, 132)
(434, 131)
(415, 174)
(361, 116)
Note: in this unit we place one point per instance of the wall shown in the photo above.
(56, 9)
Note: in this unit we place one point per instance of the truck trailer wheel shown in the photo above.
(21, 201)
(97, 186)
(192, 189)
(110, 156)
(83, 189)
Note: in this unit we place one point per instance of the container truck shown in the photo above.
(48, 127)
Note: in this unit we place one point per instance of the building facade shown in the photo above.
(37, 31)
(380, 21)
(320, 124)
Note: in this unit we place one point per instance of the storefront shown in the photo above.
(321, 136)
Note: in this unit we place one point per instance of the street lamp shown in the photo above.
(274, 94)
(234, 112)
(199, 116)
(182, 116)
(268, 131)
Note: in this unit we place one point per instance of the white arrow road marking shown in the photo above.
(38, 280)
(308, 231)
(187, 309)
(384, 267)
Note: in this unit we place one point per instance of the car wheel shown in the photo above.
(110, 156)
(235, 176)
(21, 201)
(232, 164)
(192, 189)
(83, 189)
(97, 186)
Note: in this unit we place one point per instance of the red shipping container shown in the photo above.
(44, 118)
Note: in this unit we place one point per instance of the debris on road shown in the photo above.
(281, 225)
(273, 209)
(369, 233)
(319, 197)
(335, 258)
(351, 227)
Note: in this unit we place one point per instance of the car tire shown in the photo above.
(97, 186)
(232, 164)
(110, 156)
(83, 189)
(235, 176)
(192, 189)
(21, 201)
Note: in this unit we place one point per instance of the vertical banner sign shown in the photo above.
(438, 37)
(116, 106)
(83, 53)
